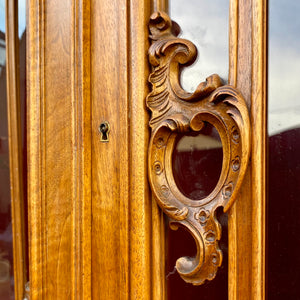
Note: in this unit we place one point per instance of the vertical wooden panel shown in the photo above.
(239, 221)
(68, 165)
(15, 148)
(158, 249)
(259, 121)
(247, 216)
(81, 118)
(59, 149)
(124, 217)
(110, 172)
(34, 93)
(57, 170)
(140, 199)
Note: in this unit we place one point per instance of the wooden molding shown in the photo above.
(59, 149)
(15, 149)
(176, 111)
(247, 217)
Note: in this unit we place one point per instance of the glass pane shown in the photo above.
(21, 17)
(181, 243)
(283, 268)
(205, 23)
(197, 163)
(194, 154)
(6, 242)
(6, 250)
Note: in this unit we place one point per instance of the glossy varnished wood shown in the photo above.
(82, 137)
(259, 146)
(121, 209)
(175, 111)
(247, 217)
(90, 211)
(160, 5)
(110, 248)
(94, 230)
(158, 246)
(59, 149)
(15, 149)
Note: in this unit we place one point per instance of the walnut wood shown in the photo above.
(159, 288)
(76, 252)
(59, 149)
(248, 63)
(122, 208)
(110, 180)
(97, 58)
(176, 111)
(15, 148)
(82, 138)
(160, 5)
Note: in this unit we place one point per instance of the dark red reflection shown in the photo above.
(181, 243)
(6, 250)
(197, 162)
(284, 216)
(197, 165)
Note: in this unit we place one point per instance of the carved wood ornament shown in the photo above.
(176, 111)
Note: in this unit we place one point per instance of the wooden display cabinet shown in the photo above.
(95, 230)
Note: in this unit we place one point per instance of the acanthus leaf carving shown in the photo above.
(173, 111)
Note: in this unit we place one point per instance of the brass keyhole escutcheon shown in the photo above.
(104, 129)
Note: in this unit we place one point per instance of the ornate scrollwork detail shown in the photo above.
(176, 111)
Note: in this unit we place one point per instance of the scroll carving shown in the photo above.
(173, 111)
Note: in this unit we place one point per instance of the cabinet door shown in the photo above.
(95, 229)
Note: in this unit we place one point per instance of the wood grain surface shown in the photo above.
(95, 231)
(121, 201)
(16, 159)
(59, 149)
(90, 207)
(175, 111)
(248, 63)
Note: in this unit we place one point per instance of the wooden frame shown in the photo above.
(246, 222)
(56, 229)
(15, 149)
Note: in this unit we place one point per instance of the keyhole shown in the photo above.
(104, 129)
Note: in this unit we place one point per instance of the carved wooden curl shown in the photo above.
(176, 111)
